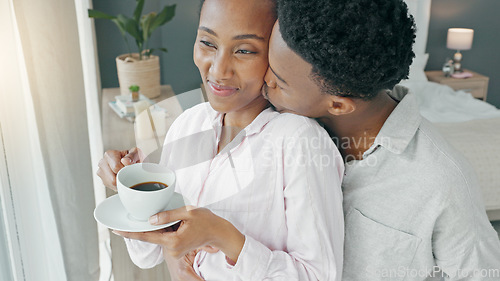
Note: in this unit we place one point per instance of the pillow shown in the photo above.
(417, 67)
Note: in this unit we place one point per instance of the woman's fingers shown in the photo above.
(113, 161)
(209, 249)
(199, 227)
(107, 176)
(131, 157)
(165, 217)
(182, 269)
(113, 158)
(171, 242)
(154, 237)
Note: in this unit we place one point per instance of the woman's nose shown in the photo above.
(221, 68)
(269, 79)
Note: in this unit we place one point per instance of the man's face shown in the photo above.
(290, 87)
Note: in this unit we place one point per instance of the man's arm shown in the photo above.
(465, 245)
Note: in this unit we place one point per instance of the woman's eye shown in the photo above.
(208, 44)
(244, 52)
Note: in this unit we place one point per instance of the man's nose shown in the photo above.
(269, 78)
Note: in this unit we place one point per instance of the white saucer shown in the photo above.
(113, 215)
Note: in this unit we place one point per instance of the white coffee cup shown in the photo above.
(142, 204)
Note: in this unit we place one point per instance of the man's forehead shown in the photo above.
(283, 60)
(279, 52)
(276, 36)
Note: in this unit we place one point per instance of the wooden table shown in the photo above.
(119, 134)
(477, 85)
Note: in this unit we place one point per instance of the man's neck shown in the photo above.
(354, 133)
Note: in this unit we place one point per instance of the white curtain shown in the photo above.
(47, 186)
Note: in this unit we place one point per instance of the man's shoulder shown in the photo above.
(438, 145)
(451, 168)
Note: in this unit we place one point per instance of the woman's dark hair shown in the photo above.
(356, 47)
(272, 1)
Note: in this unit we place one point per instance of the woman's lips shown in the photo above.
(220, 90)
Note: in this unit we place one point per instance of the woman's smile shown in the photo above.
(221, 90)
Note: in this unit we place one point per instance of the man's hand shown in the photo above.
(113, 161)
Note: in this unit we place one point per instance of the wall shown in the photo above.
(178, 35)
(484, 57)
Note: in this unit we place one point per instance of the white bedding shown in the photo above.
(440, 103)
(471, 126)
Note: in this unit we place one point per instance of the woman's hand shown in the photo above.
(199, 228)
(182, 269)
(113, 161)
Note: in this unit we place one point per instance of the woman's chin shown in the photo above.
(219, 106)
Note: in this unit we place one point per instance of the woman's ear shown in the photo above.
(340, 105)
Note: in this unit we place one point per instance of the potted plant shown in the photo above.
(134, 89)
(141, 68)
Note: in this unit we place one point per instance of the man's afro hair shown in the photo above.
(356, 47)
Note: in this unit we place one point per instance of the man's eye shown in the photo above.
(244, 52)
(208, 44)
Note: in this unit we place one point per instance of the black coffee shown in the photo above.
(149, 186)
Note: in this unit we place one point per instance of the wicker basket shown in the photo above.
(144, 73)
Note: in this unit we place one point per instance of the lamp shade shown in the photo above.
(459, 38)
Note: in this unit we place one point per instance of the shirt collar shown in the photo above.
(253, 128)
(401, 125)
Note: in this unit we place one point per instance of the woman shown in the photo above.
(269, 183)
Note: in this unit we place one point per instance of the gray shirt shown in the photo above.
(413, 209)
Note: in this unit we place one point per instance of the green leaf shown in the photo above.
(134, 88)
(100, 15)
(121, 26)
(146, 21)
(130, 26)
(162, 18)
(138, 10)
(150, 51)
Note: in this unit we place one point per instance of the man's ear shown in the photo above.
(340, 105)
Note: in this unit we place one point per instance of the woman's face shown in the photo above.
(231, 51)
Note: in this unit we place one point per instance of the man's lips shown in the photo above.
(263, 91)
(221, 90)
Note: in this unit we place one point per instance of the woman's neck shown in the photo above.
(235, 121)
(244, 116)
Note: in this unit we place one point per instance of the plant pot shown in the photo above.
(143, 73)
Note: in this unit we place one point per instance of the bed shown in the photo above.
(470, 125)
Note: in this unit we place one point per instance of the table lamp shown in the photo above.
(459, 39)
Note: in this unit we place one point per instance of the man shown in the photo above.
(412, 205)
